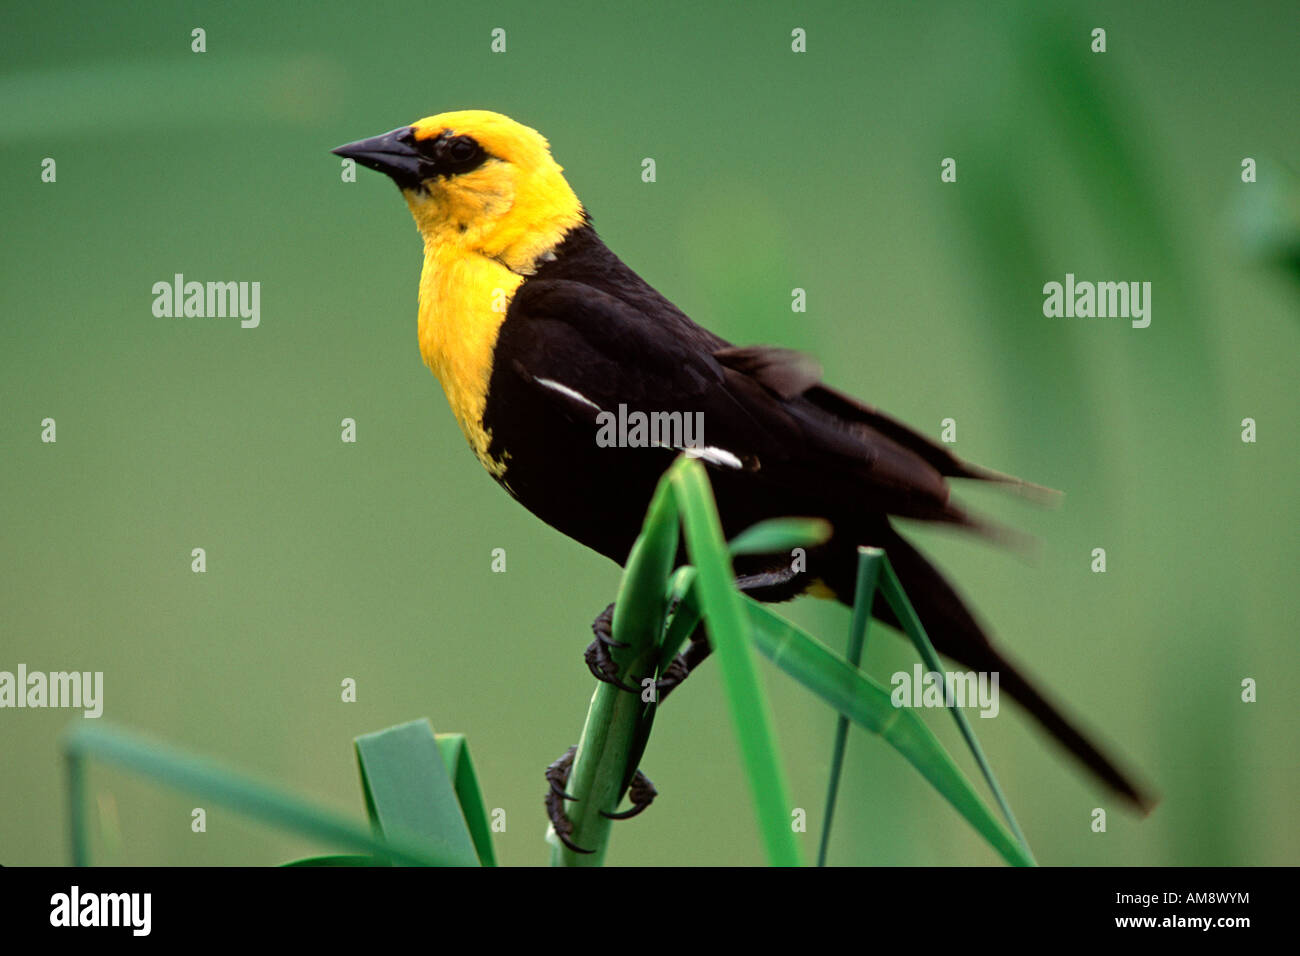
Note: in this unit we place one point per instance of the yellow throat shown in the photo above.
(484, 233)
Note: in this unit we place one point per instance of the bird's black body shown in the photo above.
(590, 323)
(587, 322)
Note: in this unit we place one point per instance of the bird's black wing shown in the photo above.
(789, 373)
(573, 347)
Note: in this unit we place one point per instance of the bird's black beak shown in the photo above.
(393, 154)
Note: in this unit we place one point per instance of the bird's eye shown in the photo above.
(461, 148)
(462, 153)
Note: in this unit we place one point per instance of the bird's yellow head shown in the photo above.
(478, 182)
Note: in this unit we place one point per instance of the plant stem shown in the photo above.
(618, 722)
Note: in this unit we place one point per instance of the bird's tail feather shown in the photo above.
(956, 634)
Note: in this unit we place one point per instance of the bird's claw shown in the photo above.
(600, 662)
(557, 775)
(676, 672)
(641, 792)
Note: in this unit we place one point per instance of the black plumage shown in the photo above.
(586, 322)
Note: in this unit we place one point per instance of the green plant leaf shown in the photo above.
(684, 619)
(729, 631)
(868, 704)
(455, 753)
(893, 591)
(864, 593)
(219, 786)
(776, 534)
(409, 792)
(780, 534)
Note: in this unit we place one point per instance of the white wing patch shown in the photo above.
(715, 455)
(565, 390)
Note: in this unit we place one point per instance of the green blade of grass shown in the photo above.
(455, 752)
(729, 630)
(685, 618)
(224, 787)
(819, 669)
(864, 594)
(618, 723)
(766, 537)
(780, 534)
(893, 591)
(408, 790)
(868, 704)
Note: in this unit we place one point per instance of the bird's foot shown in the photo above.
(641, 792)
(677, 671)
(604, 668)
(599, 660)
(557, 776)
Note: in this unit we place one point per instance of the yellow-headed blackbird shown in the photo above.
(539, 334)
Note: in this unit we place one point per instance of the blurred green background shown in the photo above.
(775, 170)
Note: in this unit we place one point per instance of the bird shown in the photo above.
(539, 333)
